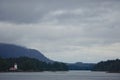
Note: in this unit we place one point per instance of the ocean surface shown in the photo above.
(67, 75)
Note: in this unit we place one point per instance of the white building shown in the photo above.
(13, 68)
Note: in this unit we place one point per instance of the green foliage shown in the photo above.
(3, 64)
(110, 66)
(31, 64)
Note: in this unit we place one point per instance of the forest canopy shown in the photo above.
(31, 64)
(109, 66)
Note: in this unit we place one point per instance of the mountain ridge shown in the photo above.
(81, 66)
(14, 51)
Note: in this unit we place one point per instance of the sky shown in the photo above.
(63, 30)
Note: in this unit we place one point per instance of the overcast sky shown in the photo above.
(63, 30)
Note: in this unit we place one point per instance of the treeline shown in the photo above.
(31, 64)
(109, 66)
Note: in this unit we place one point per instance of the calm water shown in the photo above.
(70, 75)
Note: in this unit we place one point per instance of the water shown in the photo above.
(70, 75)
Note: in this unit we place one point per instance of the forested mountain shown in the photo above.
(27, 59)
(109, 66)
(14, 51)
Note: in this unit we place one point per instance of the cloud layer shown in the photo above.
(69, 30)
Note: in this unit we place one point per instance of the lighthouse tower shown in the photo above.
(15, 66)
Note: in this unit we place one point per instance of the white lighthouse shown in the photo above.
(15, 66)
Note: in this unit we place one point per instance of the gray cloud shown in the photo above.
(34, 10)
(69, 30)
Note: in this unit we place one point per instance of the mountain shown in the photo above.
(15, 51)
(80, 66)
